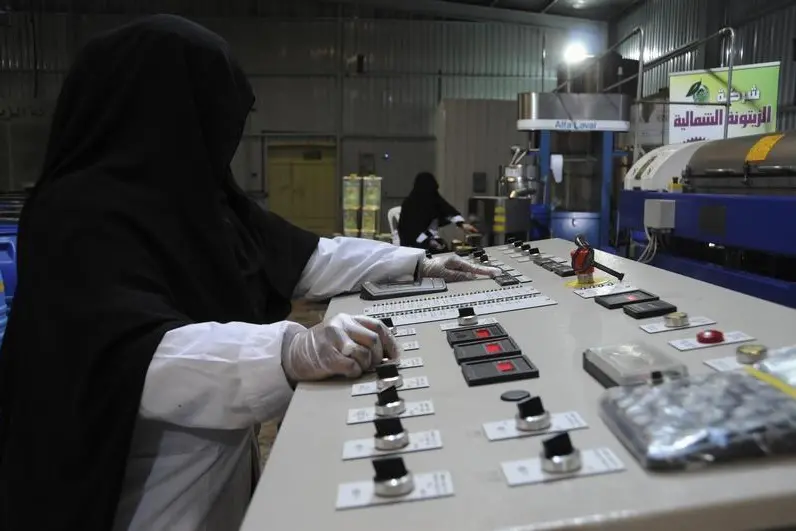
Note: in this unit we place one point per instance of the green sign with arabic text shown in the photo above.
(753, 99)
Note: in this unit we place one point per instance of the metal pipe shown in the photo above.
(730, 65)
(550, 5)
(642, 46)
(677, 52)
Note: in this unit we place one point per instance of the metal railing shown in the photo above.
(727, 32)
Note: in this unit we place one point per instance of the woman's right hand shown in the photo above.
(466, 227)
(343, 345)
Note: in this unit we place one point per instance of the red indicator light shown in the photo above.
(709, 337)
(632, 298)
(482, 333)
(504, 366)
(493, 348)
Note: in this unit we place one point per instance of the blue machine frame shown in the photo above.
(749, 227)
(598, 235)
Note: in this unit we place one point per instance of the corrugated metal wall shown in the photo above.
(297, 68)
(668, 24)
(766, 30)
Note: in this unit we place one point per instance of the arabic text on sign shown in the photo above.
(752, 118)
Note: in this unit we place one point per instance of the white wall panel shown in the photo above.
(473, 136)
(390, 105)
(306, 104)
(280, 47)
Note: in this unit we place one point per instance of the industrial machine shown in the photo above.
(572, 142)
(678, 201)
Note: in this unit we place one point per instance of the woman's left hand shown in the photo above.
(466, 227)
(454, 269)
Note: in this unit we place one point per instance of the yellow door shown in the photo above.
(302, 186)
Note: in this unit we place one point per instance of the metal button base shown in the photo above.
(562, 464)
(675, 320)
(392, 442)
(750, 354)
(468, 320)
(586, 278)
(396, 381)
(538, 423)
(392, 409)
(394, 487)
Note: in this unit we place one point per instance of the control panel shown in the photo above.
(522, 385)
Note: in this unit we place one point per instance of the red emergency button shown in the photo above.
(493, 348)
(482, 333)
(710, 337)
(505, 366)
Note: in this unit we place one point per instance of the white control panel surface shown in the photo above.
(300, 486)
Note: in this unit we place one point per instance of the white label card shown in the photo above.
(507, 429)
(659, 326)
(561, 260)
(369, 388)
(418, 442)
(508, 251)
(404, 332)
(524, 259)
(524, 279)
(692, 344)
(495, 263)
(410, 345)
(529, 471)
(508, 269)
(610, 289)
(362, 415)
(410, 363)
(724, 364)
(427, 487)
(516, 255)
(516, 273)
(482, 321)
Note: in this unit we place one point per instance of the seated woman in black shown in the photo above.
(423, 212)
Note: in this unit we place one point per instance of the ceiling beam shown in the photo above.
(480, 13)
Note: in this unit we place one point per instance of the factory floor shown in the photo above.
(307, 314)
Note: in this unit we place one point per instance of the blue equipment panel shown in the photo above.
(567, 225)
(762, 224)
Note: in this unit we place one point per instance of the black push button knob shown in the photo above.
(478, 253)
(511, 240)
(526, 247)
(392, 478)
(483, 258)
(388, 322)
(518, 243)
(390, 434)
(388, 376)
(531, 415)
(656, 377)
(388, 403)
(559, 456)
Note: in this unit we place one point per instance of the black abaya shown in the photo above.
(421, 208)
(135, 228)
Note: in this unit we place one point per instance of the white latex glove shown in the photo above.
(454, 269)
(343, 345)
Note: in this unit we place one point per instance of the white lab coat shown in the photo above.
(209, 384)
